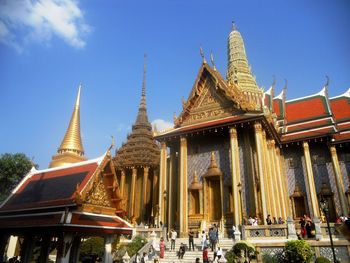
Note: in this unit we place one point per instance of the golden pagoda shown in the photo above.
(238, 69)
(71, 149)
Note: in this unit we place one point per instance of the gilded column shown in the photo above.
(267, 175)
(280, 184)
(205, 201)
(171, 209)
(235, 174)
(122, 182)
(144, 191)
(183, 187)
(162, 181)
(259, 150)
(276, 182)
(339, 180)
(311, 181)
(132, 192)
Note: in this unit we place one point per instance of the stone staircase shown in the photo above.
(190, 256)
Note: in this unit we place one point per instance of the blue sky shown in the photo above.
(47, 47)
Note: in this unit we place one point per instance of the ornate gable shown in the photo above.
(102, 192)
(210, 99)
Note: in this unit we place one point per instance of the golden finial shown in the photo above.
(212, 60)
(174, 117)
(202, 55)
(144, 75)
(234, 26)
(71, 149)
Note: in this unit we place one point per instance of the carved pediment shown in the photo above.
(98, 194)
(211, 103)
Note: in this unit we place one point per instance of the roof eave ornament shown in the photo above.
(202, 55)
(212, 60)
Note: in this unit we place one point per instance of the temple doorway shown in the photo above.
(214, 201)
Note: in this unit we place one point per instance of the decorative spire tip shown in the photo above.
(144, 75)
(202, 55)
(234, 27)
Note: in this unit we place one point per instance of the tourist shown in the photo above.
(205, 255)
(302, 223)
(250, 220)
(198, 260)
(190, 240)
(343, 218)
(203, 238)
(268, 220)
(182, 251)
(344, 229)
(144, 258)
(255, 222)
(173, 236)
(275, 221)
(219, 253)
(233, 230)
(309, 227)
(216, 229)
(213, 238)
(280, 221)
(151, 252)
(161, 248)
(137, 258)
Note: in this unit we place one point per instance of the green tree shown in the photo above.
(13, 167)
(92, 246)
(298, 251)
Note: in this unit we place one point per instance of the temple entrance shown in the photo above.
(214, 200)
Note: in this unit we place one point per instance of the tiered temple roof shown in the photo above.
(141, 149)
(66, 198)
(313, 116)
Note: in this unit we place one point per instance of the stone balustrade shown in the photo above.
(263, 231)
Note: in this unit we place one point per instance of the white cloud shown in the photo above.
(162, 125)
(24, 21)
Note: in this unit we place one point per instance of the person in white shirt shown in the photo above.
(173, 236)
(250, 220)
(255, 223)
(204, 238)
(219, 253)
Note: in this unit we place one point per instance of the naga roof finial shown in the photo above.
(327, 82)
(212, 60)
(202, 55)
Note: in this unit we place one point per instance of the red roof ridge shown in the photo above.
(322, 92)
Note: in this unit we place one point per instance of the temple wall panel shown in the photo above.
(323, 171)
(344, 162)
(199, 153)
(295, 169)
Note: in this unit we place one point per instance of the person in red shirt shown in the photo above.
(205, 255)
